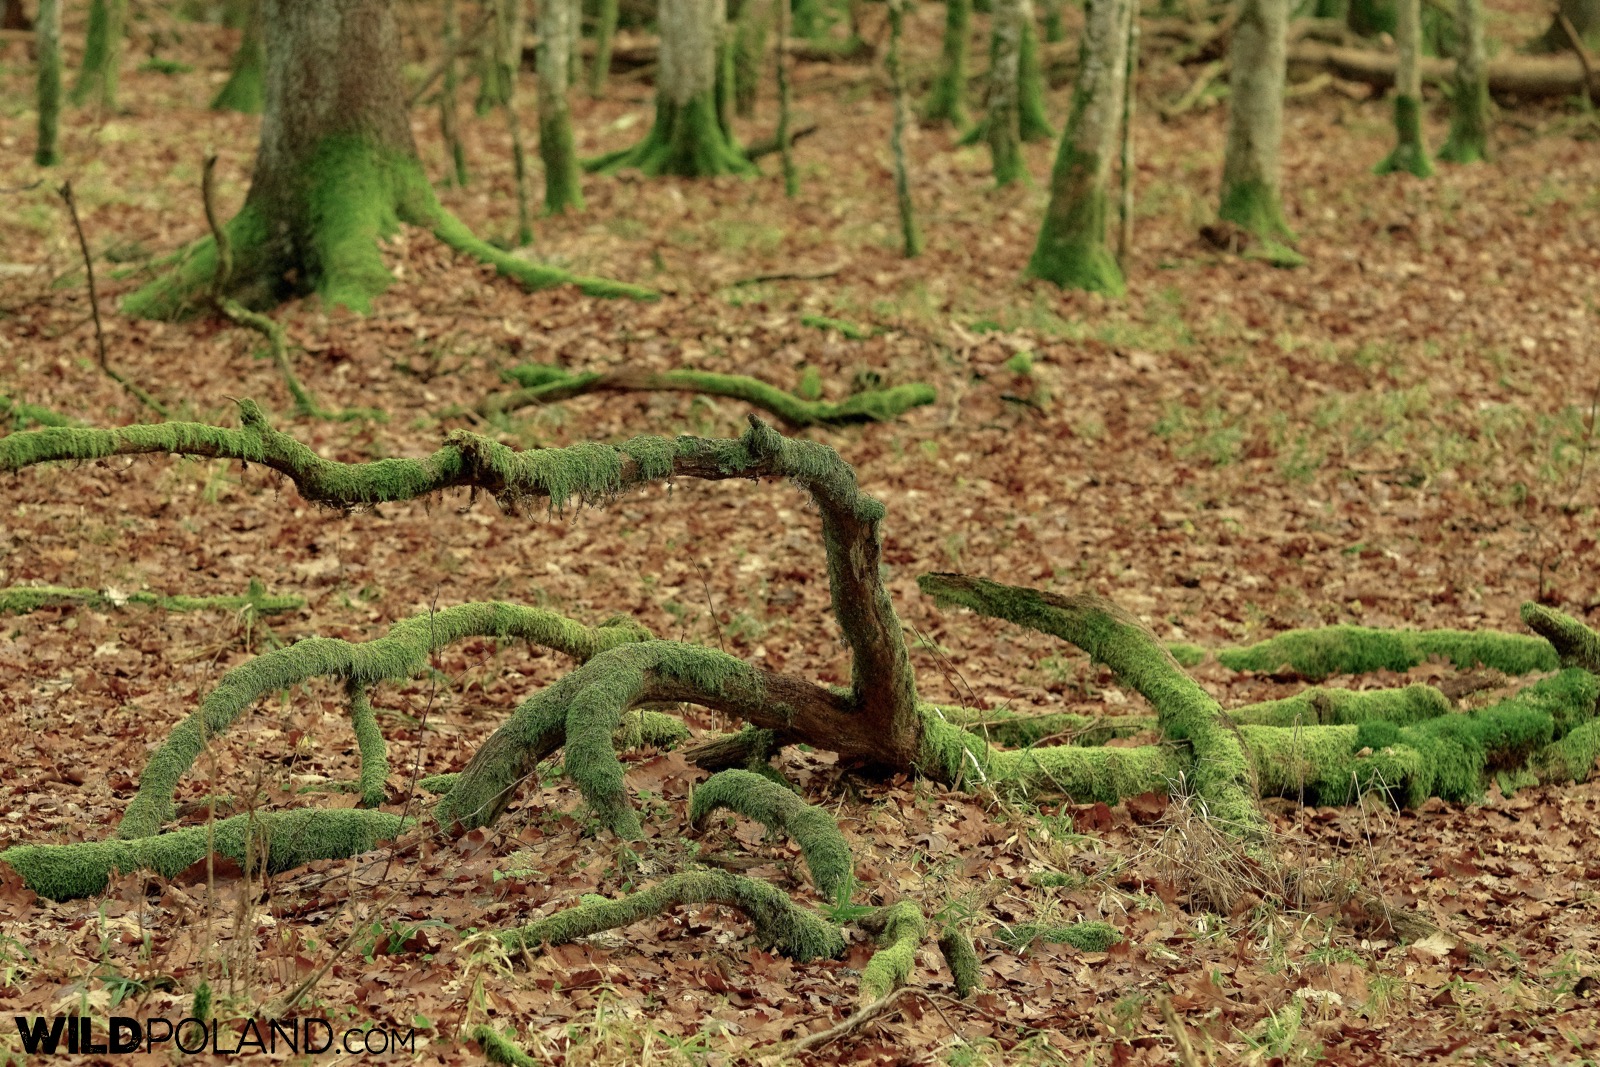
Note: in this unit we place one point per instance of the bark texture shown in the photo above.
(1410, 154)
(1468, 141)
(1251, 168)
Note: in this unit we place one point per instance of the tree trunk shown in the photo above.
(449, 127)
(48, 31)
(605, 28)
(1005, 150)
(561, 180)
(1585, 18)
(1033, 123)
(1251, 171)
(1409, 153)
(1071, 250)
(1469, 104)
(749, 52)
(500, 59)
(910, 238)
(243, 90)
(688, 137)
(948, 101)
(12, 17)
(336, 171)
(102, 50)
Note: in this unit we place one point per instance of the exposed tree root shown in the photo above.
(288, 838)
(1093, 936)
(780, 923)
(499, 1049)
(21, 599)
(1317, 654)
(962, 959)
(19, 414)
(755, 797)
(900, 929)
(546, 385)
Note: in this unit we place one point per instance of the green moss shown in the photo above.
(1332, 707)
(1409, 154)
(1571, 759)
(847, 329)
(1576, 645)
(1033, 123)
(47, 85)
(1084, 936)
(500, 1049)
(1185, 654)
(1084, 775)
(1071, 250)
(20, 414)
(1255, 207)
(563, 187)
(374, 750)
(1223, 773)
(687, 140)
(453, 232)
(402, 653)
(187, 285)
(290, 839)
(900, 929)
(778, 809)
(962, 959)
(649, 729)
(439, 784)
(102, 47)
(245, 89)
(780, 923)
(1005, 727)
(21, 599)
(1317, 654)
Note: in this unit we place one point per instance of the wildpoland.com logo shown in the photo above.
(78, 1035)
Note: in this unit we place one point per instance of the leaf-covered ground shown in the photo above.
(1399, 433)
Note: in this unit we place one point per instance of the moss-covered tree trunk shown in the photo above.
(102, 52)
(501, 58)
(243, 90)
(689, 137)
(910, 236)
(47, 31)
(1072, 250)
(1005, 63)
(605, 28)
(449, 95)
(1409, 153)
(1469, 104)
(1033, 122)
(12, 17)
(948, 100)
(1251, 167)
(561, 173)
(750, 50)
(336, 171)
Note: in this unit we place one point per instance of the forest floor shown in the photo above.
(1397, 434)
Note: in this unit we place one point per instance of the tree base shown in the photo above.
(358, 195)
(1257, 209)
(1409, 155)
(686, 140)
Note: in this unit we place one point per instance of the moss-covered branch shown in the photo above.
(900, 929)
(499, 1049)
(1317, 654)
(962, 959)
(1091, 936)
(1575, 644)
(540, 384)
(289, 838)
(755, 797)
(403, 652)
(1223, 774)
(21, 599)
(1337, 707)
(18, 414)
(780, 923)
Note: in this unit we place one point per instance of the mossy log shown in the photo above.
(288, 839)
(1319, 653)
(400, 654)
(962, 959)
(22, 599)
(780, 924)
(1089, 936)
(546, 385)
(778, 809)
(19, 414)
(499, 1049)
(900, 930)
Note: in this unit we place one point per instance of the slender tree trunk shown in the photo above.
(1469, 106)
(750, 50)
(791, 181)
(102, 52)
(948, 100)
(501, 59)
(519, 156)
(575, 60)
(1125, 170)
(1005, 149)
(561, 181)
(243, 90)
(688, 137)
(910, 239)
(1585, 18)
(1033, 121)
(1409, 152)
(47, 29)
(1251, 168)
(448, 105)
(605, 28)
(1072, 250)
(1054, 28)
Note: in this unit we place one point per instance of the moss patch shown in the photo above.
(1317, 654)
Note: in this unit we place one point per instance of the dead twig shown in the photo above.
(94, 306)
(1180, 1033)
(854, 1022)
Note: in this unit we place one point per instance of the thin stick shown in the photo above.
(219, 284)
(94, 307)
(1180, 1033)
(467, 42)
(860, 1018)
(791, 181)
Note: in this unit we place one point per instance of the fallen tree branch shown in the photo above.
(1515, 75)
(22, 599)
(813, 829)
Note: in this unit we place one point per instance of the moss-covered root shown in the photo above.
(1084, 936)
(543, 384)
(1339, 707)
(1575, 643)
(370, 743)
(1409, 153)
(780, 923)
(17, 415)
(649, 729)
(687, 140)
(289, 838)
(1005, 727)
(1224, 775)
(1317, 654)
(500, 1049)
(401, 653)
(455, 233)
(1571, 759)
(22, 599)
(755, 797)
(962, 959)
(899, 929)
